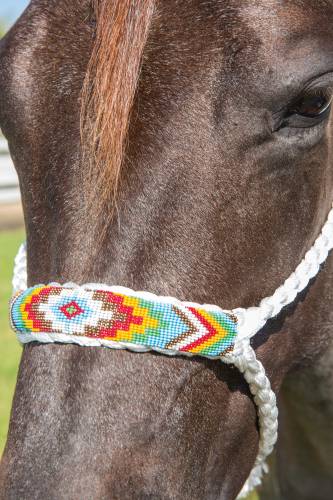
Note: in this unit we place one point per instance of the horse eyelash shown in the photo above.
(326, 92)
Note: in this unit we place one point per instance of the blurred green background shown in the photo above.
(10, 349)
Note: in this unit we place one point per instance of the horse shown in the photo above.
(185, 148)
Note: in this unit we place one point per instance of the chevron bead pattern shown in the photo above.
(104, 314)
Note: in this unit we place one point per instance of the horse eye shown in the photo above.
(312, 105)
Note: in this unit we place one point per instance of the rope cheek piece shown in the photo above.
(120, 318)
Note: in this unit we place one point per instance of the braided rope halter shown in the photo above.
(215, 333)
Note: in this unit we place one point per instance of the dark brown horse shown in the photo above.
(182, 147)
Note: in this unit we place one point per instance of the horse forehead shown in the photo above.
(251, 33)
(288, 17)
(227, 14)
(214, 21)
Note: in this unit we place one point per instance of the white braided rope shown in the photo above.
(265, 399)
(250, 320)
(19, 281)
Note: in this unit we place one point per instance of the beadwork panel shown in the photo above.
(113, 316)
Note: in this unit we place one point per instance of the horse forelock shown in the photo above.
(109, 89)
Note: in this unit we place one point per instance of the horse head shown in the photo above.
(182, 148)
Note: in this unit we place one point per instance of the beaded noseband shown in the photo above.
(120, 318)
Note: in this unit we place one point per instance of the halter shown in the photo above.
(120, 318)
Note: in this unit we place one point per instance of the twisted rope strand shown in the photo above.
(252, 319)
(265, 399)
(19, 281)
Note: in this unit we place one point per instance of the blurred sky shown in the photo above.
(11, 9)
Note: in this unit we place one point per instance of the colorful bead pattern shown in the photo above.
(104, 314)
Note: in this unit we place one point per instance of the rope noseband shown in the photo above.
(120, 318)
